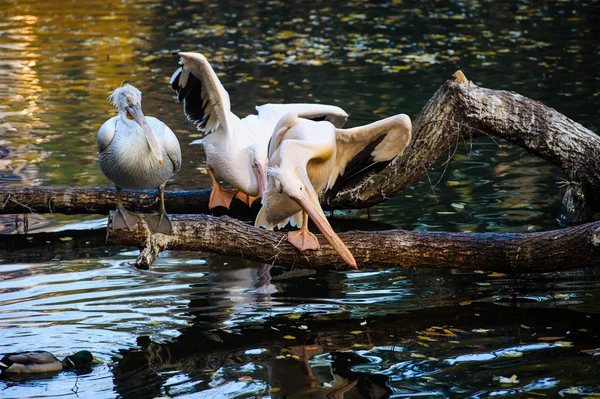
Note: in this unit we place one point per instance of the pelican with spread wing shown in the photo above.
(308, 157)
(236, 149)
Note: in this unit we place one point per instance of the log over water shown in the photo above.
(555, 250)
(458, 110)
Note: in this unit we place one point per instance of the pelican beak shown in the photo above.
(261, 178)
(135, 111)
(309, 202)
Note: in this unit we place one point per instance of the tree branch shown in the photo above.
(555, 250)
(460, 110)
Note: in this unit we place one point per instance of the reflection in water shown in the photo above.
(199, 325)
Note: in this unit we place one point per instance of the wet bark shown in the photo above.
(85, 200)
(458, 110)
(555, 250)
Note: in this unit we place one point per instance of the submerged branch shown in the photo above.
(565, 249)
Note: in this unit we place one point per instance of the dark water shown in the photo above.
(201, 325)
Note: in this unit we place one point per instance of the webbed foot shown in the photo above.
(122, 218)
(247, 199)
(220, 196)
(303, 239)
(159, 223)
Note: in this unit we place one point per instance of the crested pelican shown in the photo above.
(236, 149)
(307, 157)
(137, 152)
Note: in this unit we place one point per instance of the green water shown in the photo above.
(200, 325)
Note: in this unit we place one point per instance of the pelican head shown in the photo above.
(296, 185)
(128, 100)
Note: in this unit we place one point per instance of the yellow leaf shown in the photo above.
(399, 278)
(289, 337)
(417, 355)
(479, 272)
(496, 274)
(356, 332)
(564, 344)
(423, 344)
(274, 389)
(464, 303)
(549, 338)
(452, 183)
(525, 327)
(65, 238)
(294, 316)
(512, 354)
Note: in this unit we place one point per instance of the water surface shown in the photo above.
(199, 325)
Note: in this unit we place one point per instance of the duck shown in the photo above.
(308, 157)
(236, 149)
(137, 152)
(43, 362)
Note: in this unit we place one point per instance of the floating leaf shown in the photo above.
(464, 303)
(417, 355)
(505, 380)
(289, 337)
(549, 338)
(525, 327)
(512, 354)
(356, 332)
(564, 344)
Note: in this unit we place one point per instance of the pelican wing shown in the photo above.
(106, 133)
(364, 150)
(205, 100)
(315, 112)
(173, 149)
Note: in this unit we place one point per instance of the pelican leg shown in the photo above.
(160, 222)
(123, 218)
(303, 239)
(247, 199)
(219, 196)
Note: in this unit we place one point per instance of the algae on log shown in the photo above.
(565, 249)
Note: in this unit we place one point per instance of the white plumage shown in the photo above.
(137, 153)
(236, 149)
(307, 157)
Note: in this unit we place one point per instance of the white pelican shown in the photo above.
(137, 152)
(236, 149)
(307, 157)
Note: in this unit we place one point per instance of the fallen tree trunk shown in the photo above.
(458, 110)
(555, 250)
